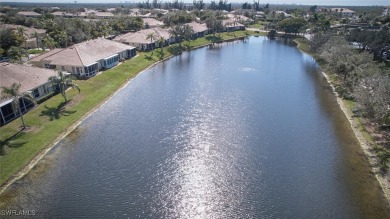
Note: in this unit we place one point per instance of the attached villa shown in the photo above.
(151, 23)
(31, 79)
(85, 59)
(140, 38)
(232, 25)
(200, 30)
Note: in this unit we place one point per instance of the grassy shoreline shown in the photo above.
(363, 136)
(50, 121)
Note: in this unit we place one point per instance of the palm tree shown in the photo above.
(22, 34)
(13, 92)
(161, 42)
(151, 37)
(64, 38)
(16, 53)
(63, 81)
(48, 41)
(36, 35)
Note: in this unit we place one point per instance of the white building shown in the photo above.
(386, 11)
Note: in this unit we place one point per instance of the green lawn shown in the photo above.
(259, 25)
(51, 118)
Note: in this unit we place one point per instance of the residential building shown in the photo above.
(87, 58)
(29, 32)
(31, 79)
(151, 23)
(386, 11)
(232, 25)
(28, 14)
(344, 12)
(140, 39)
(63, 14)
(200, 30)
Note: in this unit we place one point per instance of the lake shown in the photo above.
(247, 129)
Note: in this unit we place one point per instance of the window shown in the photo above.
(35, 93)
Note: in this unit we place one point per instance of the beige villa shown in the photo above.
(31, 79)
(140, 39)
(200, 30)
(87, 58)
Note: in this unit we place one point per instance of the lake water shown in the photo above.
(248, 129)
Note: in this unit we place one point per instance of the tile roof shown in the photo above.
(28, 13)
(28, 30)
(197, 27)
(231, 23)
(86, 53)
(45, 55)
(29, 77)
(140, 36)
(153, 22)
(342, 10)
(63, 13)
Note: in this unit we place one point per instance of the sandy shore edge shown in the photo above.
(384, 180)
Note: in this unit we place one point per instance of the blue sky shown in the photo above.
(303, 2)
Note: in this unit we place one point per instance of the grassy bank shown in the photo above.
(359, 122)
(377, 156)
(51, 119)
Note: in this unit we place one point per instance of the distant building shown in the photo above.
(151, 23)
(63, 14)
(386, 11)
(232, 25)
(344, 12)
(87, 58)
(31, 79)
(31, 41)
(200, 30)
(283, 13)
(139, 38)
(28, 14)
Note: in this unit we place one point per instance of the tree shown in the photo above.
(36, 35)
(291, 25)
(7, 39)
(214, 24)
(13, 92)
(151, 37)
(49, 42)
(16, 53)
(62, 81)
(161, 42)
(180, 32)
(22, 35)
(63, 38)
